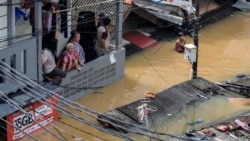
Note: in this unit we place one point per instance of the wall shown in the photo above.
(23, 58)
(97, 73)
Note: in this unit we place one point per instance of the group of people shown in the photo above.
(73, 55)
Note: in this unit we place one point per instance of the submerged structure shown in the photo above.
(182, 11)
(239, 85)
(144, 115)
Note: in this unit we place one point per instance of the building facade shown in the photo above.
(21, 49)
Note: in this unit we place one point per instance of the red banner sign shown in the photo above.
(36, 115)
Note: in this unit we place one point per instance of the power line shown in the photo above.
(7, 122)
(39, 32)
(15, 105)
(19, 106)
(88, 110)
(43, 100)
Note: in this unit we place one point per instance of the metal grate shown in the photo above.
(131, 111)
(167, 102)
(115, 114)
(184, 98)
(205, 85)
(189, 89)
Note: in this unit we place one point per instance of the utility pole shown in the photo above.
(38, 29)
(119, 21)
(196, 38)
(11, 21)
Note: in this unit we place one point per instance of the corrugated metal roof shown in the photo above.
(169, 101)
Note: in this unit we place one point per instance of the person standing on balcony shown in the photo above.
(49, 65)
(99, 22)
(103, 38)
(179, 44)
(75, 39)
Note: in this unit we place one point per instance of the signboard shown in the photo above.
(36, 115)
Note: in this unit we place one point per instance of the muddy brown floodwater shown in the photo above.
(224, 49)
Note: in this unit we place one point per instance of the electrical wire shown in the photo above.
(3, 127)
(7, 122)
(3, 15)
(71, 126)
(18, 106)
(57, 128)
(12, 103)
(111, 123)
(76, 23)
(40, 32)
(38, 97)
(150, 64)
(29, 34)
(3, 28)
(119, 125)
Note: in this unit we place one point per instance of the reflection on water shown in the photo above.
(224, 49)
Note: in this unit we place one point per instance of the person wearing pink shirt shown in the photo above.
(68, 60)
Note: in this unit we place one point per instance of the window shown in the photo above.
(2, 80)
(23, 62)
(13, 61)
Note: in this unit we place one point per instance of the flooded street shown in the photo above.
(224, 49)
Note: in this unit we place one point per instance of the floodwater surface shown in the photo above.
(224, 49)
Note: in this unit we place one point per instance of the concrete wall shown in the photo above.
(23, 58)
(97, 73)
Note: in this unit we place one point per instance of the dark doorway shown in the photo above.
(87, 27)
